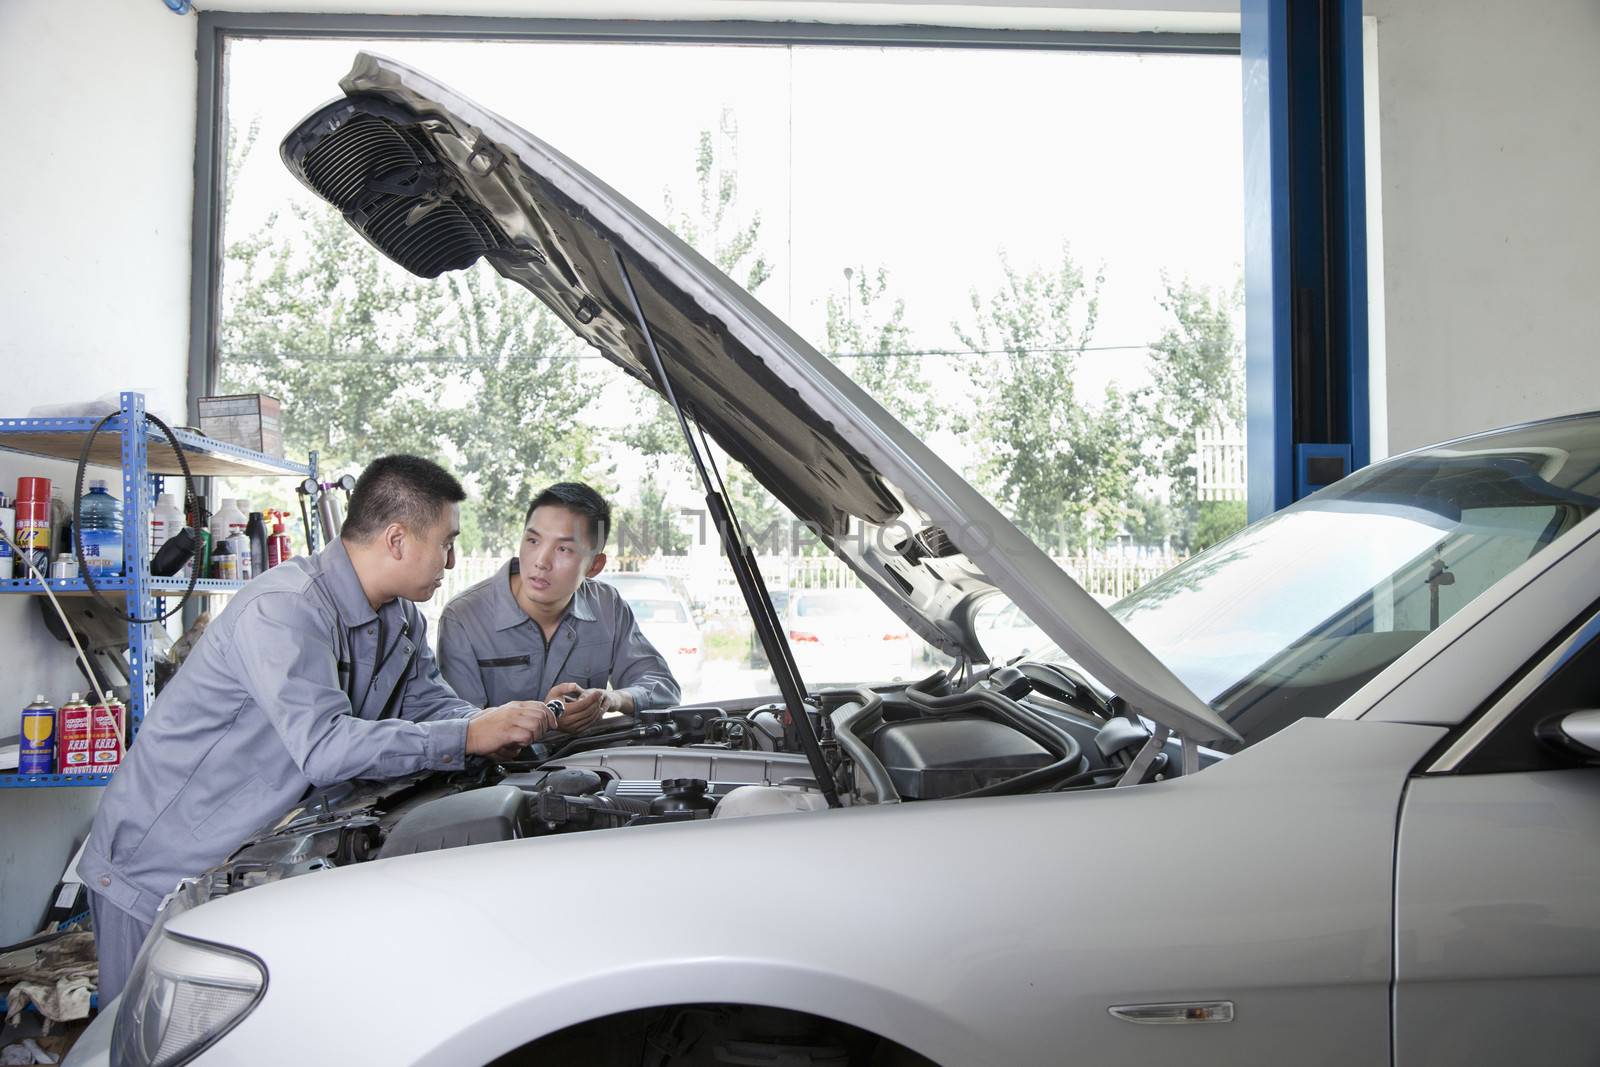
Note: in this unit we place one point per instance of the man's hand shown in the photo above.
(584, 706)
(512, 725)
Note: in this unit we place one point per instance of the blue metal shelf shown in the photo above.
(14, 780)
(155, 586)
(134, 446)
(63, 439)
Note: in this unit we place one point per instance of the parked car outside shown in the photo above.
(847, 636)
(1324, 794)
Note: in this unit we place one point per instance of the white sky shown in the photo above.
(926, 161)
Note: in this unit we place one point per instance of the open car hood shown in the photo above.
(435, 182)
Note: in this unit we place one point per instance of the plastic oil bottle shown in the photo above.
(101, 514)
(165, 521)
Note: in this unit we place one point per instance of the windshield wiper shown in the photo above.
(743, 562)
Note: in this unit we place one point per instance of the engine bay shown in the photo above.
(1017, 729)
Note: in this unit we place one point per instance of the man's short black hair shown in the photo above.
(406, 489)
(575, 496)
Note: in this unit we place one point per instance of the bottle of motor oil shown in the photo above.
(165, 522)
(74, 733)
(256, 531)
(38, 754)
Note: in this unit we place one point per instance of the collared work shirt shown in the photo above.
(299, 683)
(492, 652)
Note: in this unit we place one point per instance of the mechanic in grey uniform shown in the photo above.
(316, 673)
(540, 629)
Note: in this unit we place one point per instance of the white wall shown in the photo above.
(1491, 211)
(94, 297)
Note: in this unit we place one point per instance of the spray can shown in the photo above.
(8, 527)
(33, 525)
(74, 733)
(105, 736)
(38, 753)
(278, 546)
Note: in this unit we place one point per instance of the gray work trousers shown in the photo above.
(117, 939)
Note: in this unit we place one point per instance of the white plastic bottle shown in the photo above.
(227, 521)
(165, 521)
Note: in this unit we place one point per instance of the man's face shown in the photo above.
(427, 554)
(558, 552)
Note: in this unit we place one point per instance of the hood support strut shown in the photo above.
(743, 562)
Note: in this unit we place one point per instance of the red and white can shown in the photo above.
(74, 737)
(32, 526)
(106, 736)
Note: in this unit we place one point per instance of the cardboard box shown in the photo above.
(251, 420)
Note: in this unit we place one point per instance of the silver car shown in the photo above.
(1322, 795)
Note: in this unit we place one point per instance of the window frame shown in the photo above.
(218, 28)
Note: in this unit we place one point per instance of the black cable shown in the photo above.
(192, 507)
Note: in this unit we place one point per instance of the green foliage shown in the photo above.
(867, 336)
(1216, 521)
(715, 229)
(650, 527)
(468, 370)
(1063, 470)
(1198, 382)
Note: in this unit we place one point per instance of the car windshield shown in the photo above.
(1294, 614)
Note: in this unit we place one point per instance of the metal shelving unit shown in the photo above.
(130, 443)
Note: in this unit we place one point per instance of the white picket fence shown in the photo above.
(1219, 461)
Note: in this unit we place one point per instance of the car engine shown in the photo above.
(1017, 729)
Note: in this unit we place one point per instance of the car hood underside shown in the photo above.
(436, 183)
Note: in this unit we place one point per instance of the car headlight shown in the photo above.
(182, 996)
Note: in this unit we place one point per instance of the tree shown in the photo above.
(1061, 469)
(1198, 382)
(652, 527)
(717, 230)
(468, 369)
(867, 336)
(519, 428)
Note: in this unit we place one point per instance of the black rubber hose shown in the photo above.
(638, 733)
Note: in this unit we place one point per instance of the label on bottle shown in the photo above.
(102, 552)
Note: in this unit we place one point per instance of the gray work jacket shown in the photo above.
(492, 652)
(288, 689)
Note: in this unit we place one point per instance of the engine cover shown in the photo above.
(498, 813)
(928, 759)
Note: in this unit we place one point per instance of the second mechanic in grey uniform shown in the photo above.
(541, 629)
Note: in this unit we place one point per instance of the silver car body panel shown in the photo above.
(806, 431)
(1066, 906)
(1497, 915)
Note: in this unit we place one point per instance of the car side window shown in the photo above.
(1573, 683)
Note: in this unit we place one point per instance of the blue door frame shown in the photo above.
(1305, 247)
